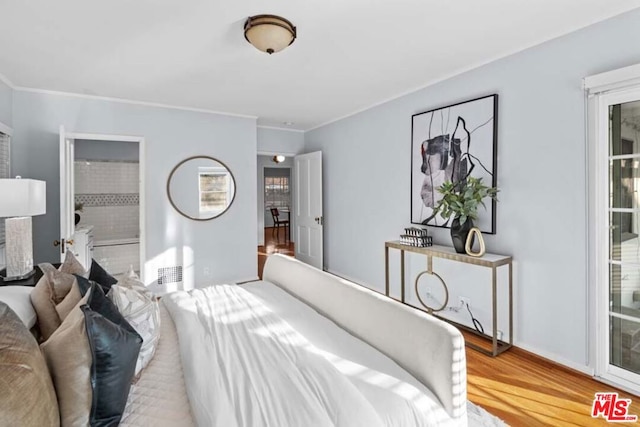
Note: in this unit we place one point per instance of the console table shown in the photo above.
(487, 260)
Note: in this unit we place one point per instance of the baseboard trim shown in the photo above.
(586, 370)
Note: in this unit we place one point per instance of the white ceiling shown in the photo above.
(349, 55)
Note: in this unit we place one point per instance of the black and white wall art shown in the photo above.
(450, 144)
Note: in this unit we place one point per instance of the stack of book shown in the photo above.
(418, 237)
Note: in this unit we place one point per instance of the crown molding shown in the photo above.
(278, 128)
(131, 102)
(4, 79)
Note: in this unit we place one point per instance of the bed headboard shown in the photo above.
(429, 349)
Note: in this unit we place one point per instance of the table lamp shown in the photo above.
(21, 199)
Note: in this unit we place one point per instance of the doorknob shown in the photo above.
(318, 220)
(56, 243)
(70, 242)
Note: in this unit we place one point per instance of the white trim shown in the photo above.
(142, 183)
(556, 359)
(242, 281)
(273, 153)
(6, 129)
(612, 80)
(4, 79)
(278, 128)
(103, 137)
(603, 91)
(131, 101)
(622, 385)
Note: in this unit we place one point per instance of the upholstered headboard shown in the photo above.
(429, 349)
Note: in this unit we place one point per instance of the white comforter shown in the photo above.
(245, 365)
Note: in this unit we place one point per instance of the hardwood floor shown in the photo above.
(274, 243)
(526, 390)
(517, 386)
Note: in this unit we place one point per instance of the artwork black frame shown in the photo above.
(460, 155)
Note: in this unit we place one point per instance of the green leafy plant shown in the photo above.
(78, 207)
(461, 200)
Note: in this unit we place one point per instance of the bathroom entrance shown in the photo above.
(102, 211)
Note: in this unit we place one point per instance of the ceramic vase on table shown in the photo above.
(459, 234)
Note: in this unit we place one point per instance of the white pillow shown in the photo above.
(17, 298)
(140, 308)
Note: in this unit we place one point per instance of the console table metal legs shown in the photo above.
(489, 260)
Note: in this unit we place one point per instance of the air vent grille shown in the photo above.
(169, 275)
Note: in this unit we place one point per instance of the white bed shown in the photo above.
(255, 355)
(159, 397)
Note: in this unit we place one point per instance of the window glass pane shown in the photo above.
(276, 192)
(213, 182)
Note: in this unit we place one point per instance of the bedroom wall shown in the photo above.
(226, 246)
(6, 104)
(280, 141)
(541, 174)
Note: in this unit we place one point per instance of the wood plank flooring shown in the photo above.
(274, 243)
(526, 390)
(517, 386)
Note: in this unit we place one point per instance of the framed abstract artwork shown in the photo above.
(450, 144)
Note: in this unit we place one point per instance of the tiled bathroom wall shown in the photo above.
(108, 191)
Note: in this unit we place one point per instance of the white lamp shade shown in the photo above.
(22, 197)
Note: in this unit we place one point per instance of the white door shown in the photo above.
(308, 211)
(67, 203)
(617, 162)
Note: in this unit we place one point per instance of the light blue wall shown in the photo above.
(541, 174)
(225, 245)
(281, 141)
(6, 104)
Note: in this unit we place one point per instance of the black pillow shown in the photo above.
(100, 276)
(114, 347)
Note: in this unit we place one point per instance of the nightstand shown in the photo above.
(29, 281)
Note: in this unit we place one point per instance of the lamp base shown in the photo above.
(19, 246)
(3, 273)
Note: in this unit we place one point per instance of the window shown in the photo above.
(215, 190)
(277, 192)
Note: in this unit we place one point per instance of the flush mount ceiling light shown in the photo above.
(278, 159)
(269, 33)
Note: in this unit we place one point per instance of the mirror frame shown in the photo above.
(176, 167)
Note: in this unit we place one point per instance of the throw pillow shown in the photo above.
(141, 310)
(27, 395)
(92, 358)
(71, 265)
(115, 346)
(100, 276)
(69, 358)
(53, 298)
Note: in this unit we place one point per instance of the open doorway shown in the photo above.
(102, 200)
(275, 207)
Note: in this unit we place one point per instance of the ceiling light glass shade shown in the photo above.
(269, 33)
(279, 158)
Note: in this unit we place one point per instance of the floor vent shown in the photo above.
(169, 275)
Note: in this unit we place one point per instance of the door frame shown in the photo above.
(603, 90)
(261, 180)
(142, 182)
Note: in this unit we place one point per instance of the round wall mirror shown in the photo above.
(201, 188)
